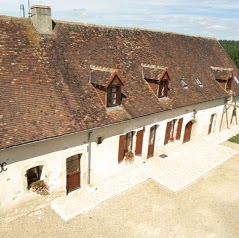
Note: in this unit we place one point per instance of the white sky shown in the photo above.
(217, 18)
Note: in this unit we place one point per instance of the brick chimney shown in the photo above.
(41, 19)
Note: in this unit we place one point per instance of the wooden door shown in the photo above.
(139, 142)
(187, 133)
(73, 173)
(151, 141)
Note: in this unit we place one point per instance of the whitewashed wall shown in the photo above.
(52, 154)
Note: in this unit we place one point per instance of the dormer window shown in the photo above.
(223, 76)
(113, 96)
(229, 84)
(184, 84)
(108, 84)
(163, 88)
(157, 78)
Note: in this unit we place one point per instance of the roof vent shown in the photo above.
(41, 19)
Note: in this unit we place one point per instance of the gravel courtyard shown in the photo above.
(207, 208)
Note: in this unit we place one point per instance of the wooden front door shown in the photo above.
(151, 141)
(73, 173)
(187, 133)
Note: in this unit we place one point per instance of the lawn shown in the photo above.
(234, 139)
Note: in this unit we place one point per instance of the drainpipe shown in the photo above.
(89, 156)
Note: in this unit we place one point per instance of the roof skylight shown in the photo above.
(185, 86)
(236, 80)
(198, 82)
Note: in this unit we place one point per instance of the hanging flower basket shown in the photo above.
(129, 157)
(40, 187)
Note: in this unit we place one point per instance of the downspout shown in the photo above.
(89, 156)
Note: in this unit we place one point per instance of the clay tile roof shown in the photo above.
(222, 73)
(153, 72)
(44, 79)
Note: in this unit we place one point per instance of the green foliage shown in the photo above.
(234, 139)
(232, 48)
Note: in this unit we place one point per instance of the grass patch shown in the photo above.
(234, 139)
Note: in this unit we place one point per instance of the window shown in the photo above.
(171, 133)
(99, 140)
(129, 142)
(125, 145)
(33, 175)
(113, 96)
(185, 86)
(73, 164)
(198, 82)
(163, 88)
(152, 135)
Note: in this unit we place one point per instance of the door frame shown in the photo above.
(188, 134)
(151, 144)
(76, 174)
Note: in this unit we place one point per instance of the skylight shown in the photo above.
(185, 86)
(236, 80)
(198, 82)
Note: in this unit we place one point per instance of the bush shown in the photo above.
(234, 139)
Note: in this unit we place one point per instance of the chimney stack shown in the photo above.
(41, 19)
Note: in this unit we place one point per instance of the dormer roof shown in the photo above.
(154, 72)
(221, 73)
(104, 76)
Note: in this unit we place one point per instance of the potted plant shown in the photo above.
(40, 187)
(129, 157)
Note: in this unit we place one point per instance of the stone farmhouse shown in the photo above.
(78, 101)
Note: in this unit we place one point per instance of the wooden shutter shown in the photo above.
(139, 142)
(122, 141)
(167, 133)
(179, 129)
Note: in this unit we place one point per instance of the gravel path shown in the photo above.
(207, 208)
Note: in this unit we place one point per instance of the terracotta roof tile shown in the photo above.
(44, 79)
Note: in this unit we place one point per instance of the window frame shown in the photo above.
(184, 84)
(198, 81)
(128, 141)
(113, 98)
(33, 174)
(163, 88)
(70, 166)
